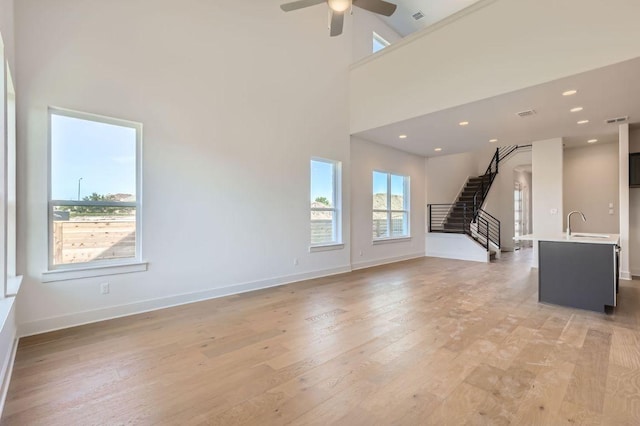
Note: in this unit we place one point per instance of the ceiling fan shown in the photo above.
(338, 8)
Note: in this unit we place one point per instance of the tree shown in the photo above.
(101, 210)
(323, 200)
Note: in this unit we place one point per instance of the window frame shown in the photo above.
(406, 189)
(95, 267)
(377, 37)
(336, 242)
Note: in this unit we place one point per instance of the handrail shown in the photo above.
(501, 154)
(456, 218)
(493, 231)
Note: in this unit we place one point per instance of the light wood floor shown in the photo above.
(427, 341)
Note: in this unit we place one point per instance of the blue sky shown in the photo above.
(321, 181)
(103, 155)
(380, 184)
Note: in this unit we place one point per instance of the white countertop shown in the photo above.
(576, 237)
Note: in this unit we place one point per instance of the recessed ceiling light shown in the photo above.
(464, 123)
(576, 109)
(592, 141)
(402, 136)
(583, 121)
(493, 140)
(569, 93)
(438, 149)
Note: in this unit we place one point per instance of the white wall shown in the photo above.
(364, 24)
(491, 48)
(6, 28)
(8, 344)
(634, 211)
(366, 157)
(547, 170)
(500, 200)
(8, 328)
(624, 194)
(234, 102)
(590, 183)
(447, 174)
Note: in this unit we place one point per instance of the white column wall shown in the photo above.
(547, 176)
(623, 149)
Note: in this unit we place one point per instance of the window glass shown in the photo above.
(94, 188)
(325, 216)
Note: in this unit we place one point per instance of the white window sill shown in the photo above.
(93, 271)
(326, 247)
(13, 285)
(391, 240)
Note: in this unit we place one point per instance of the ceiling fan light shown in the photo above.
(339, 5)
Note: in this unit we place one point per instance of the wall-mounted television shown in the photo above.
(634, 170)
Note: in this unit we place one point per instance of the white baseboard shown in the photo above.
(625, 275)
(385, 261)
(87, 317)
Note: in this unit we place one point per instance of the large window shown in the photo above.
(390, 206)
(325, 202)
(94, 198)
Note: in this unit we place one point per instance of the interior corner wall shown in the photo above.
(547, 171)
(499, 202)
(7, 30)
(634, 211)
(590, 184)
(364, 24)
(365, 158)
(447, 175)
(234, 103)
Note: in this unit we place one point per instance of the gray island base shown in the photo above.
(578, 272)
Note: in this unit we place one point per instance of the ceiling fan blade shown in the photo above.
(337, 22)
(300, 4)
(376, 6)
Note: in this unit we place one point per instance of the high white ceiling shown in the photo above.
(609, 92)
(402, 20)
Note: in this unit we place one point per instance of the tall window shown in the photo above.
(325, 202)
(94, 198)
(379, 43)
(390, 206)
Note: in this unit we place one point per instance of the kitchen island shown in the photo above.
(579, 271)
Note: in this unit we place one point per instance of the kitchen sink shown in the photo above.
(583, 235)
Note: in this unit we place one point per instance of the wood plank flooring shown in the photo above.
(422, 342)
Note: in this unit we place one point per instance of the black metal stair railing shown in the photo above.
(488, 229)
(452, 218)
(466, 216)
(457, 218)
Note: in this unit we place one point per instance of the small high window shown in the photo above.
(379, 43)
(94, 197)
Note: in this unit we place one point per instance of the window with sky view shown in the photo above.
(94, 188)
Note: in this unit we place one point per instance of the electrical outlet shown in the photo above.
(104, 288)
(360, 252)
(295, 261)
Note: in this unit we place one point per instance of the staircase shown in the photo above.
(466, 215)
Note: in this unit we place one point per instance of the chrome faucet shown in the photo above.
(584, 219)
